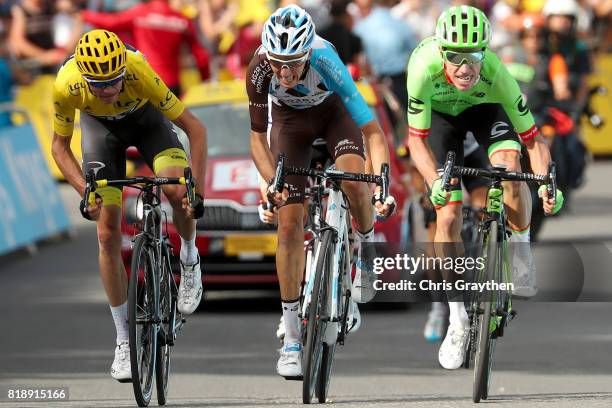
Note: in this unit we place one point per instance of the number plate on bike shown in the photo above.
(236, 245)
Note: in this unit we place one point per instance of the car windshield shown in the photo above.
(227, 128)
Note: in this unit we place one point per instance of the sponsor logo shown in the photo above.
(260, 73)
(63, 118)
(479, 94)
(258, 105)
(499, 129)
(131, 77)
(169, 95)
(127, 104)
(74, 89)
(521, 106)
(413, 104)
(486, 80)
(345, 144)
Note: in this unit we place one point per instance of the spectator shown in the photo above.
(9, 76)
(340, 35)
(388, 43)
(359, 9)
(31, 34)
(420, 15)
(233, 28)
(159, 29)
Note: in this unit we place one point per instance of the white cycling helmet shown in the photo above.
(561, 8)
(288, 31)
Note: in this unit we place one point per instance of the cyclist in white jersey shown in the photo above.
(312, 96)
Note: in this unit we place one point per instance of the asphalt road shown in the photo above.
(58, 332)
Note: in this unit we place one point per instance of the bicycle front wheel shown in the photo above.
(141, 312)
(484, 347)
(316, 325)
(165, 339)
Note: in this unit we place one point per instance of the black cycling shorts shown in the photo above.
(488, 122)
(104, 142)
(293, 132)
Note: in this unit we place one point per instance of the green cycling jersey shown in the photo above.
(429, 89)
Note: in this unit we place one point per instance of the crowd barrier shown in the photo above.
(31, 207)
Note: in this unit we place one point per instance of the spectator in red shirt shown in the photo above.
(159, 29)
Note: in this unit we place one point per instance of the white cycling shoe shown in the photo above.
(121, 369)
(289, 364)
(523, 270)
(452, 351)
(190, 288)
(363, 285)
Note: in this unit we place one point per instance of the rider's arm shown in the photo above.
(67, 163)
(423, 158)
(196, 132)
(258, 76)
(376, 143)
(262, 155)
(515, 106)
(419, 119)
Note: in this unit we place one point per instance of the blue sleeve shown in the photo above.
(337, 79)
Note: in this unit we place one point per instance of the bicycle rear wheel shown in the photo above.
(165, 339)
(141, 311)
(484, 346)
(316, 325)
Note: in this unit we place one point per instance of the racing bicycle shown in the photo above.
(326, 306)
(154, 319)
(490, 312)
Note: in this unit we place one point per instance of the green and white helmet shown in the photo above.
(463, 27)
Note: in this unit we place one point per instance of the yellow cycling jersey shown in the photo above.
(140, 85)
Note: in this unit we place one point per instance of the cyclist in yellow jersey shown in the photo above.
(123, 103)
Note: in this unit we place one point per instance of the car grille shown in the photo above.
(225, 218)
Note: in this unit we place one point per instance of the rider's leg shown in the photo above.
(185, 226)
(357, 193)
(517, 200)
(112, 270)
(290, 266)
(448, 244)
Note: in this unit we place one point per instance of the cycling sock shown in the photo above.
(290, 317)
(189, 252)
(438, 307)
(458, 314)
(120, 316)
(366, 236)
(520, 236)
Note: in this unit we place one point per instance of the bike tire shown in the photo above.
(316, 327)
(142, 330)
(167, 310)
(482, 359)
(327, 359)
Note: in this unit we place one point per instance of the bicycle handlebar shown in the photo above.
(282, 171)
(450, 171)
(91, 184)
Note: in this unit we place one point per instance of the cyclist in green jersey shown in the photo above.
(455, 85)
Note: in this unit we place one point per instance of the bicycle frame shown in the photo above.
(336, 218)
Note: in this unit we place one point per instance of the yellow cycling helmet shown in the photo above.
(100, 55)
